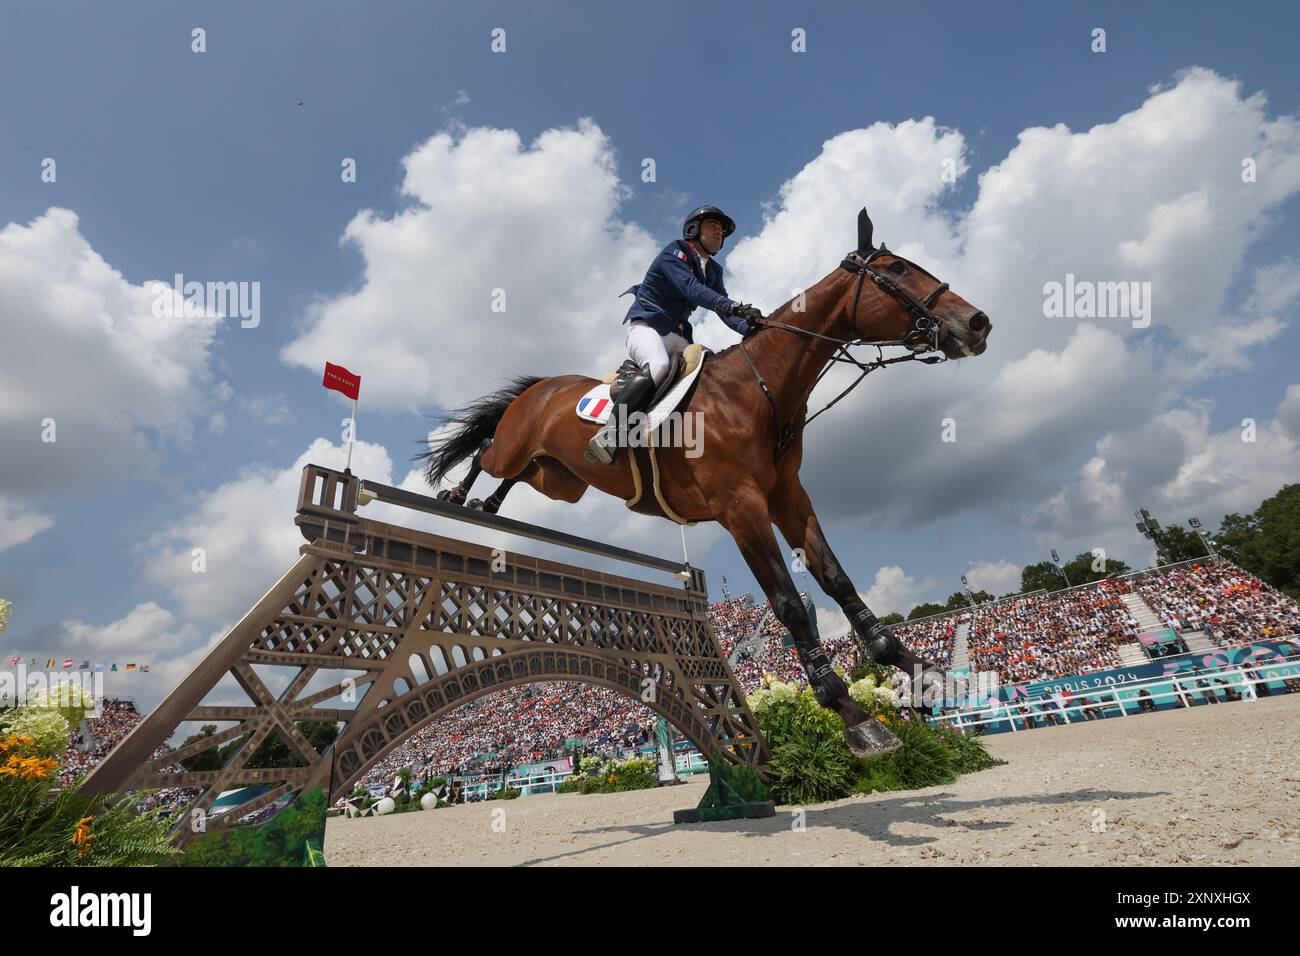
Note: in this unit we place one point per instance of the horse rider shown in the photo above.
(683, 276)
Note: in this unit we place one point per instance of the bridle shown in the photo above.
(921, 339)
(923, 336)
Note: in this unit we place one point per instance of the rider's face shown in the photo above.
(711, 235)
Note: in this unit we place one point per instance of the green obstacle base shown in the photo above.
(735, 793)
(313, 855)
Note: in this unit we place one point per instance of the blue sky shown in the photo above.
(225, 165)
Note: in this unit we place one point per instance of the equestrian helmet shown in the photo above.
(691, 227)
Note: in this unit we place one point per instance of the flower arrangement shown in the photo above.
(45, 732)
(43, 828)
(811, 763)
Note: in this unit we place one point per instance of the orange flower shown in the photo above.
(82, 836)
(29, 767)
(14, 742)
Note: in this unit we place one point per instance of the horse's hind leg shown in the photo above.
(547, 476)
(456, 496)
(492, 503)
(554, 480)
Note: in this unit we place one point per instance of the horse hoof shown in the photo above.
(444, 494)
(870, 738)
(475, 503)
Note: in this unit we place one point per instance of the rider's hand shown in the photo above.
(747, 312)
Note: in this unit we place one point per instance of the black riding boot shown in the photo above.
(636, 391)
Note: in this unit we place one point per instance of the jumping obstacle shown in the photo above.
(405, 626)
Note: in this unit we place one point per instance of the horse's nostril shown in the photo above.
(979, 322)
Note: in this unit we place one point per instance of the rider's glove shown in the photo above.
(746, 311)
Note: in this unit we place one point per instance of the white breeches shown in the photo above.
(644, 345)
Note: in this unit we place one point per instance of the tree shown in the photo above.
(274, 752)
(925, 610)
(1175, 543)
(209, 759)
(1267, 543)
(1082, 570)
(1274, 555)
(1235, 533)
(1042, 576)
(894, 618)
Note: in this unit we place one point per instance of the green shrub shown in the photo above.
(279, 842)
(930, 756)
(617, 776)
(811, 763)
(923, 760)
(812, 766)
(967, 749)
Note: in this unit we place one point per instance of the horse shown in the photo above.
(752, 401)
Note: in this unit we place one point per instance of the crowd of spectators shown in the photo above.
(1046, 636)
(933, 637)
(1224, 602)
(85, 751)
(518, 725)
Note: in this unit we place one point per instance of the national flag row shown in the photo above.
(52, 663)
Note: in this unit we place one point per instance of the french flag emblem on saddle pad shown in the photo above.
(595, 405)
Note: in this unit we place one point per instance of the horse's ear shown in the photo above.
(864, 232)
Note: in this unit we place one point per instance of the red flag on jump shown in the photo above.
(341, 380)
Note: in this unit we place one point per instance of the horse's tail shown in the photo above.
(474, 424)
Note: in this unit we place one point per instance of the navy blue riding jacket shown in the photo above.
(672, 289)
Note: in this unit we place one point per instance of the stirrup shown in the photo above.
(599, 453)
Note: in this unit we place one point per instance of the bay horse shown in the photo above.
(752, 402)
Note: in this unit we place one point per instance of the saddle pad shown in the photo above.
(594, 406)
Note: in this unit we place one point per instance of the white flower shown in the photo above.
(869, 695)
(64, 695)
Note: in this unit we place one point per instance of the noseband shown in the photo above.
(921, 339)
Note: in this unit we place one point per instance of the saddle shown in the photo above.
(684, 363)
(677, 385)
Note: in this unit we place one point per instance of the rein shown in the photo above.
(922, 339)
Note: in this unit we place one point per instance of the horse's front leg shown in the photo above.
(794, 515)
(749, 522)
